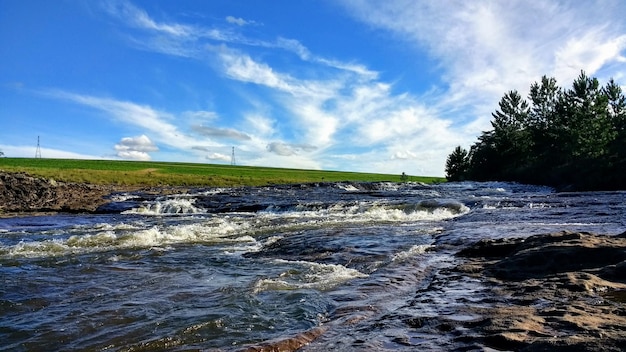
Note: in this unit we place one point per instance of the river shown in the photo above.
(360, 264)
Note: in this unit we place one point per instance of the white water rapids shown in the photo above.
(233, 268)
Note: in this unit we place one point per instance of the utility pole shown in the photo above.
(232, 158)
(38, 150)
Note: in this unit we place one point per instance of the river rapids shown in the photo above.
(331, 266)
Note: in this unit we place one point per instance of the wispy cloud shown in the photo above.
(335, 113)
(215, 132)
(186, 40)
(139, 115)
(487, 48)
(200, 115)
(287, 149)
(139, 18)
(239, 21)
(343, 110)
(161, 125)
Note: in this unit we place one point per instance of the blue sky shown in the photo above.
(375, 86)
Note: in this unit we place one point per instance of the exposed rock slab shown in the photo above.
(562, 291)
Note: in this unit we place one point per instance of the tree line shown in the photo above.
(566, 138)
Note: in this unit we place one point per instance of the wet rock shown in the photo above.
(544, 255)
(491, 248)
(287, 344)
(559, 292)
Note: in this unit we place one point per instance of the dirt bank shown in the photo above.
(563, 291)
(20, 193)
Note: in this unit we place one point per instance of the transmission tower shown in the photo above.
(232, 157)
(38, 150)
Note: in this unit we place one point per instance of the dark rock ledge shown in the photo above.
(21, 193)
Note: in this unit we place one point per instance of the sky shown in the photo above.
(352, 85)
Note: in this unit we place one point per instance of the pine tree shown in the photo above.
(457, 165)
(574, 138)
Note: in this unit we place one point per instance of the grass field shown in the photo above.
(138, 173)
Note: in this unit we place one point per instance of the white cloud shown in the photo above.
(295, 47)
(140, 143)
(200, 115)
(218, 157)
(139, 18)
(136, 114)
(238, 21)
(191, 41)
(305, 98)
(404, 155)
(263, 126)
(483, 49)
(135, 148)
(487, 48)
(349, 111)
(161, 125)
(592, 51)
(134, 155)
(242, 68)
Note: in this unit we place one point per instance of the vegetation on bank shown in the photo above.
(567, 138)
(137, 173)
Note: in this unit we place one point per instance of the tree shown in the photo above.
(574, 138)
(510, 137)
(457, 165)
(616, 112)
(542, 125)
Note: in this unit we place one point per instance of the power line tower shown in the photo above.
(38, 150)
(232, 157)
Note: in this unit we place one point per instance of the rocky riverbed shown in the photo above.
(558, 291)
(564, 291)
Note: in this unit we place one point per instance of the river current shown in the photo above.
(364, 264)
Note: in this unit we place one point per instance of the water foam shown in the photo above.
(347, 187)
(122, 197)
(356, 212)
(226, 230)
(307, 275)
(411, 252)
(173, 206)
(214, 231)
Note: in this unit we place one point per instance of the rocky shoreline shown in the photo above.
(21, 193)
(564, 291)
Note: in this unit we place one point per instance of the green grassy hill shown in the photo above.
(139, 173)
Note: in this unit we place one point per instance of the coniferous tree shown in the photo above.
(574, 138)
(510, 138)
(616, 156)
(457, 165)
(542, 125)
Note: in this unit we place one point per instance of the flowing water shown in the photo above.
(365, 265)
